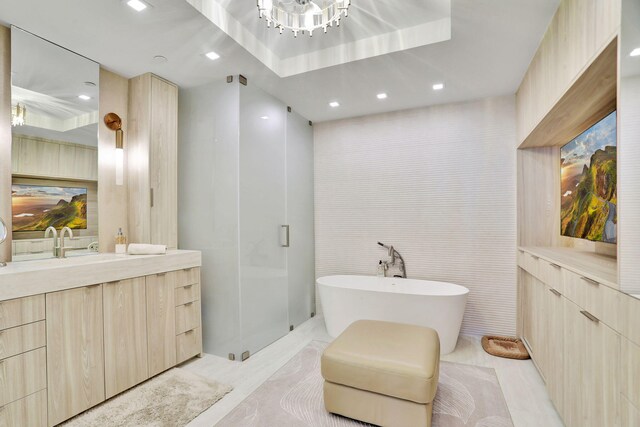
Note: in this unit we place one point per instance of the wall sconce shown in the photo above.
(113, 122)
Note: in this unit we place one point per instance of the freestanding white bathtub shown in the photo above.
(438, 305)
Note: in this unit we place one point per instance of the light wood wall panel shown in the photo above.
(439, 184)
(112, 199)
(5, 137)
(579, 30)
(539, 203)
(139, 146)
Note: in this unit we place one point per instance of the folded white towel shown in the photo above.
(145, 249)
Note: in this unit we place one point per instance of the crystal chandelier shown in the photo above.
(303, 15)
(18, 114)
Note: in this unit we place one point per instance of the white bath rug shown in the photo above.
(468, 396)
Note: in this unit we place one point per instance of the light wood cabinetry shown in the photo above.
(30, 411)
(578, 339)
(41, 157)
(20, 311)
(161, 325)
(125, 335)
(188, 344)
(188, 314)
(553, 346)
(22, 375)
(22, 339)
(23, 361)
(579, 31)
(95, 342)
(75, 352)
(153, 149)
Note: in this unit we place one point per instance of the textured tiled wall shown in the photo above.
(439, 183)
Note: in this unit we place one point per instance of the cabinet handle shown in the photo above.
(556, 293)
(555, 265)
(151, 196)
(286, 228)
(161, 274)
(590, 281)
(535, 257)
(188, 287)
(590, 316)
(187, 270)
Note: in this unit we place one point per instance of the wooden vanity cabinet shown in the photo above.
(94, 343)
(161, 324)
(125, 335)
(577, 341)
(75, 352)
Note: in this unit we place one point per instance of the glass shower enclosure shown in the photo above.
(246, 201)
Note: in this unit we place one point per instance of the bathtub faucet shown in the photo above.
(393, 254)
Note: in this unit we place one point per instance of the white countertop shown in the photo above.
(26, 278)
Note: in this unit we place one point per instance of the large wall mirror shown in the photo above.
(54, 117)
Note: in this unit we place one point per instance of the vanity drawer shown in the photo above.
(551, 274)
(599, 300)
(188, 276)
(30, 411)
(188, 345)
(530, 263)
(22, 339)
(23, 375)
(187, 317)
(186, 294)
(21, 311)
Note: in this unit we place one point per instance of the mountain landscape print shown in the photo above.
(36, 207)
(589, 177)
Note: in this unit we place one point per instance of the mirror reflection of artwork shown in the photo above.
(589, 176)
(36, 207)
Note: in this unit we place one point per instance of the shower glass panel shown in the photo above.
(262, 212)
(300, 218)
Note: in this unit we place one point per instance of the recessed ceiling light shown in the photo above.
(84, 97)
(635, 52)
(137, 5)
(334, 104)
(438, 86)
(159, 59)
(212, 55)
(265, 117)
(382, 96)
(90, 84)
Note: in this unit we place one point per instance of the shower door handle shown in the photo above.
(285, 228)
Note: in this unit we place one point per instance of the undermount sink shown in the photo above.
(48, 255)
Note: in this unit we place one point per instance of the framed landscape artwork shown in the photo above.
(37, 207)
(589, 177)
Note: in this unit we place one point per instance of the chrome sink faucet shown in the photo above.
(56, 244)
(393, 254)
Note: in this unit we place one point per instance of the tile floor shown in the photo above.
(523, 388)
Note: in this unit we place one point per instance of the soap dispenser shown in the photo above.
(121, 242)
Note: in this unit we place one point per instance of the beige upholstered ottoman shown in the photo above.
(382, 373)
